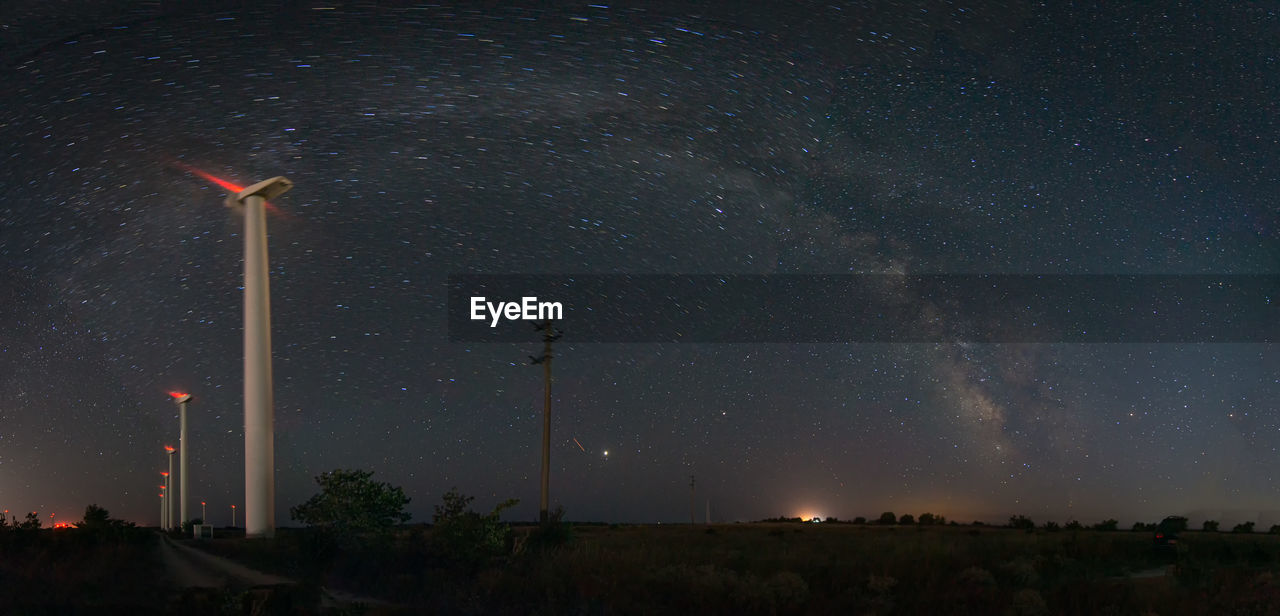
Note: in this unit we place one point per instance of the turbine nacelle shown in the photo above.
(267, 189)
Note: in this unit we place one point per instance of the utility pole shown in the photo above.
(549, 335)
(692, 482)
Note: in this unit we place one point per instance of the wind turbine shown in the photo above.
(183, 444)
(259, 436)
(168, 489)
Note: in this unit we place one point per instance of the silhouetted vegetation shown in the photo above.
(1244, 527)
(469, 538)
(101, 564)
(1107, 525)
(796, 568)
(351, 502)
(888, 518)
(1210, 526)
(1021, 522)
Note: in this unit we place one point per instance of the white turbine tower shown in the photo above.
(183, 445)
(259, 454)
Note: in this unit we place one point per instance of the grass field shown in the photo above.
(791, 568)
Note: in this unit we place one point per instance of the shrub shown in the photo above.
(555, 532)
(888, 518)
(1107, 525)
(1028, 602)
(1051, 526)
(1210, 526)
(907, 519)
(859, 520)
(1246, 527)
(467, 537)
(1021, 521)
(927, 519)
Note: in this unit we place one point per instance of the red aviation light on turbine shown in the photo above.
(169, 449)
(224, 184)
(179, 397)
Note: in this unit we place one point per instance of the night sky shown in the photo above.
(643, 138)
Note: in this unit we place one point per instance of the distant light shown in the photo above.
(177, 394)
(169, 449)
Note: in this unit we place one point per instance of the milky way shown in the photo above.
(431, 141)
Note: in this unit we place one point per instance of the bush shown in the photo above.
(1021, 521)
(927, 519)
(1051, 526)
(1107, 525)
(1210, 526)
(907, 519)
(888, 518)
(1246, 527)
(859, 520)
(466, 537)
(555, 532)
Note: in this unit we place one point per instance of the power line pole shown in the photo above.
(549, 335)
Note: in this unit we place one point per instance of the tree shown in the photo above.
(907, 519)
(1246, 527)
(859, 520)
(32, 522)
(1051, 526)
(1021, 521)
(927, 519)
(1073, 525)
(888, 518)
(95, 517)
(350, 501)
(1275, 530)
(1173, 524)
(1108, 524)
(1210, 526)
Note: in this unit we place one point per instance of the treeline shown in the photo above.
(1171, 524)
